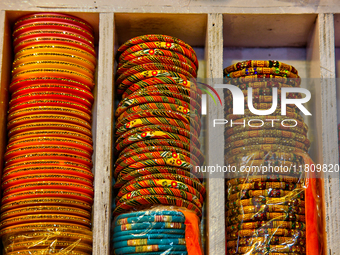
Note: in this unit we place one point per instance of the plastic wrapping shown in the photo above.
(158, 230)
(272, 200)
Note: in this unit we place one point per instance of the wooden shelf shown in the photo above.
(220, 36)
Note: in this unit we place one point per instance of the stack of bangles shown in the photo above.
(157, 131)
(265, 210)
(47, 181)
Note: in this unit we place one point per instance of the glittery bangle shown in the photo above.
(49, 126)
(291, 201)
(24, 203)
(50, 110)
(51, 32)
(53, 87)
(53, 25)
(44, 48)
(53, 16)
(18, 84)
(47, 117)
(262, 216)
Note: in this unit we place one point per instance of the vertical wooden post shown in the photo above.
(330, 151)
(215, 186)
(104, 136)
(5, 79)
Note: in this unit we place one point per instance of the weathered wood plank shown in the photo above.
(177, 6)
(215, 186)
(5, 79)
(330, 151)
(103, 137)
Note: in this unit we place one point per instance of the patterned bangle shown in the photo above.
(261, 70)
(259, 63)
(261, 216)
(265, 178)
(267, 224)
(268, 133)
(266, 200)
(266, 156)
(274, 193)
(263, 85)
(265, 240)
(266, 232)
(265, 208)
(265, 147)
(269, 248)
(267, 126)
(266, 140)
(295, 82)
(263, 185)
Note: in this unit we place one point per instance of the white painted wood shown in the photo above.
(177, 6)
(215, 186)
(5, 77)
(104, 137)
(187, 27)
(330, 151)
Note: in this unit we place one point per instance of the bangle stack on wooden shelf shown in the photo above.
(266, 213)
(47, 181)
(157, 129)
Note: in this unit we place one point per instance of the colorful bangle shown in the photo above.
(259, 63)
(266, 200)
(266, 232)
(261, 70)
(265, 208)
(246, 194)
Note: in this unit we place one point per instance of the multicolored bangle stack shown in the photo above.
(157, 127)
(47, 181)
(265, 213)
